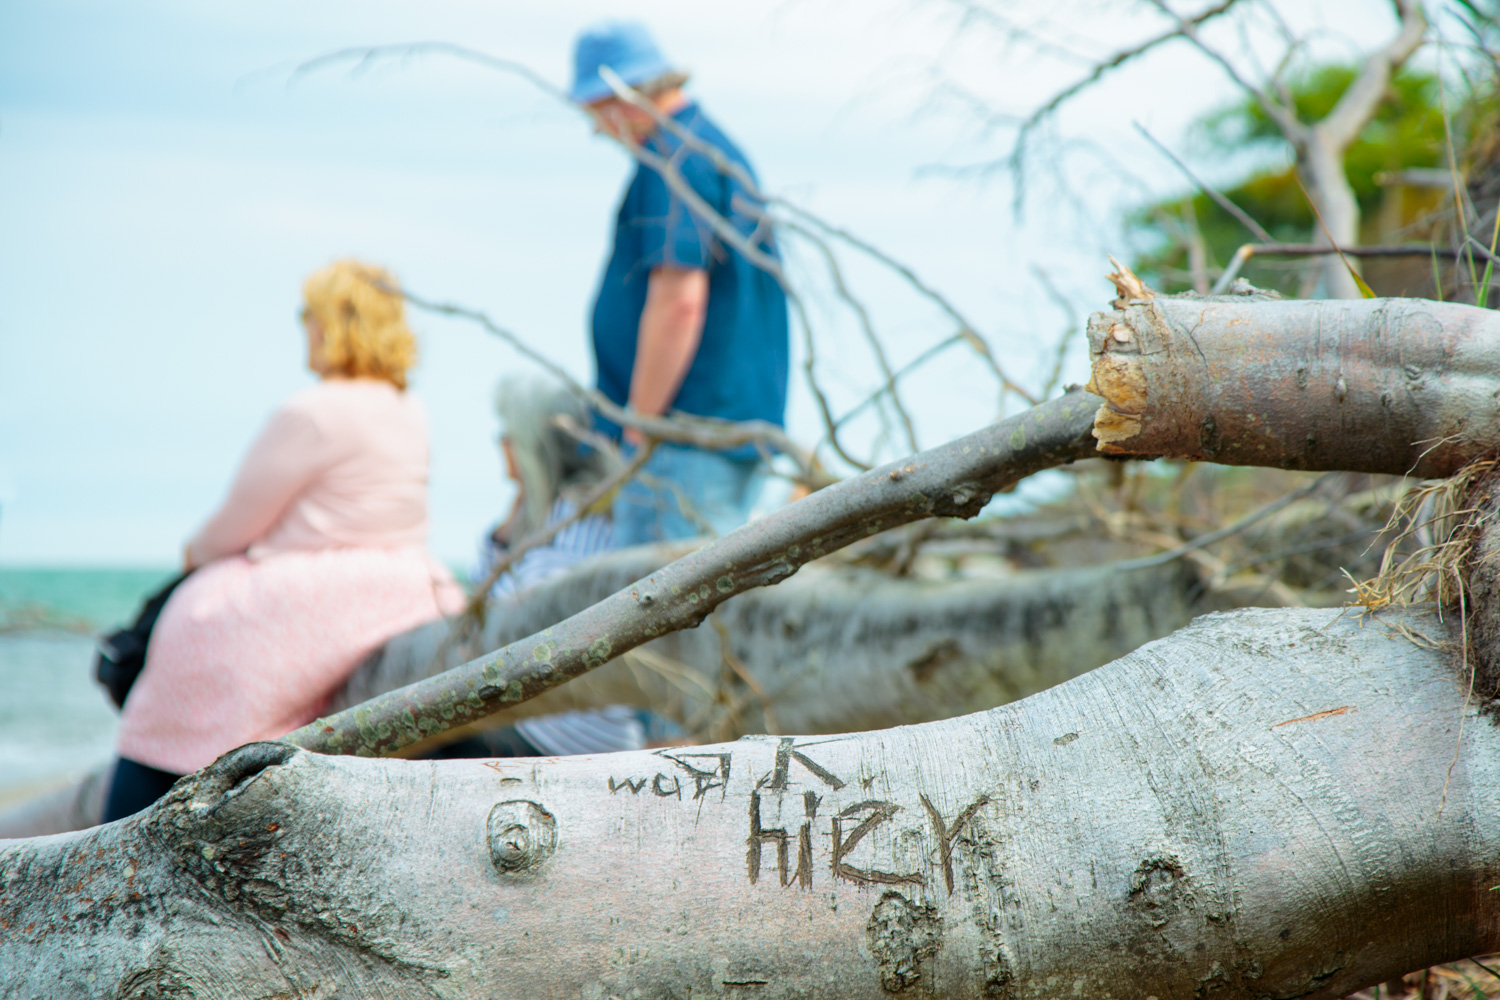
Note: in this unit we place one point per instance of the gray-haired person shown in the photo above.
(552, 474)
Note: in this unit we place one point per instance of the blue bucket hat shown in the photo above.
(625, 47)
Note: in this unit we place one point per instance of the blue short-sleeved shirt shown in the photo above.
(740, 371)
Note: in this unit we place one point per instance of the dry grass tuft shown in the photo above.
(1439, 518)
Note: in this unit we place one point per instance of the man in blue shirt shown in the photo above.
(682, 321)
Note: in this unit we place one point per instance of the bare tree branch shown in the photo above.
(1013, 32)
(1176, 372)
(1283, 115)
(729, 167)
(1100, 69)
(1320, 146)
(1248, 250)
(681, 428)
(809, 366)
(1219, 199)
(1359, 102)
(867, 327)
(922, 358)
(1060, 353)
(1220, 534)
(954, 480)
(967, 331)
(722, 227)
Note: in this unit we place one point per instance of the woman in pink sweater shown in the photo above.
(316, 557)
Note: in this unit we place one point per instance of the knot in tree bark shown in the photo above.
(522, 836)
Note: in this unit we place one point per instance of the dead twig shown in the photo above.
(1229, 529)
(1100, 69)
(1221, 200)
(679, 428)
(590, 503)
(867, 327)
(734, 663)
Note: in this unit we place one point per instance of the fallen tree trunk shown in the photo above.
(1249, 808)
(72, 806)
(956, 479)
(1396, 385)
(833, 649)
(1235, 815)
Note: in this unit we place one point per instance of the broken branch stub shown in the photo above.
(1398, 386)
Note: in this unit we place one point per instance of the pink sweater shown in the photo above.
(315, 558)
(342, 464)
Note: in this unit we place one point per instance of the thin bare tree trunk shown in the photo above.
(1321, 165)
(1248, 808)
(1321, 147)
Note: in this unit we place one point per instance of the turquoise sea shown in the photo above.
(55, 722)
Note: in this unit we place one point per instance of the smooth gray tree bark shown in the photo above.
(1248, 808)
(1322, 146)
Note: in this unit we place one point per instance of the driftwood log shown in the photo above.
(1249, 808)
(833, 649)
(1271, 803)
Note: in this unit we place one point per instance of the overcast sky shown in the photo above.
(164, 190)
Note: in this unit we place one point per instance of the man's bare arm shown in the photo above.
(671, 329)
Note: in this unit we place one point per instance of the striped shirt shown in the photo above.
(596, 730)
(585, 537)
(602, 730)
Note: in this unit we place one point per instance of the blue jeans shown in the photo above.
(717, 493)
(133, 787)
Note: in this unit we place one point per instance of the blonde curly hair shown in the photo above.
(363, 319)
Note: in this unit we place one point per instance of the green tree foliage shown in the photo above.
(1406, 132)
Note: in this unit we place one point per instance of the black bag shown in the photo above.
(121, 655)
